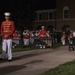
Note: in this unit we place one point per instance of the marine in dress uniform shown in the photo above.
(49, 42)
(15, 40)
(74, 38)
(32, 35)
(7, 30)
(15, 34)
(70, 35)
(71, 40)
(63, 38)
(26, 37)
(42, 34)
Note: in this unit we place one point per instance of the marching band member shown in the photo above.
(26, 37)
(71, 41)
(74, 38)
(70, 35)
(36, 33)
(42, 34)
(74, 34)
(7, 30)
(49, 42)
(63, 38)
(32, 35)
(48, 34)
(15, 34)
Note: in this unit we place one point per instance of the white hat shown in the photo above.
(42, 27)
(63, 32)
(74, 34)
(7, 13)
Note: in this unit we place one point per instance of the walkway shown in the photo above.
(35, 62)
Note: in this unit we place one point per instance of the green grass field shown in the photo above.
(25, 48)
(64, 69)
(21, 48)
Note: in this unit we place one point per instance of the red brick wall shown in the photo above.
(60, 4)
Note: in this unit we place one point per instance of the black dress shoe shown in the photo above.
(9, 60)
(2, 59)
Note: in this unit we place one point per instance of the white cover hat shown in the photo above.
(74, 34)
(7, 13)
(42, 27)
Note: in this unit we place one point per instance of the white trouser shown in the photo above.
(7, 44)
(26, 42)
(63, 41)
(31, 40)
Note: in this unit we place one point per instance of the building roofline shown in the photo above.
(50, 10)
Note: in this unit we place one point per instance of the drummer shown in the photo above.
(42, 34)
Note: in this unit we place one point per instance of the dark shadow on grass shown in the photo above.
(23, 56)
(13, 68)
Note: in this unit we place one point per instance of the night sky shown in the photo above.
(15, 6)
(22, 10)
(9, 5)
(45, 4)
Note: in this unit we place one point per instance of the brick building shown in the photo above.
(46, 18)
(65, 14)
(61, 17)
